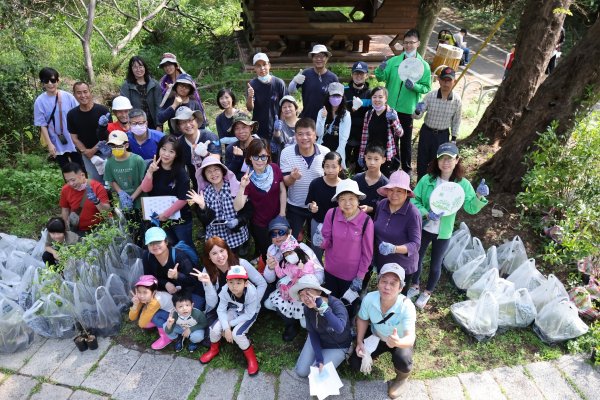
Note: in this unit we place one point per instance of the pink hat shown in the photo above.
(147, 280)
(229, 176)
(398, 179)
(289, 244)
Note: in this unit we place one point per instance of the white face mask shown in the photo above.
(292, 258)
(412, 53)
(265, 79)
(138, 130)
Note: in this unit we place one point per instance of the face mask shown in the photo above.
(412, 53)
(138, 130)
(118, 152)
(335, 101)
(265, 79)
(292, 258)
(378, 109)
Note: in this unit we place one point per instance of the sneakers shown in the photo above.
(422, 300)
(412, 292)
(192, 347)
(179, 344)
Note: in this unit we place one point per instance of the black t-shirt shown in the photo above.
(172, 183)
(84, 124)
(371, 191)
(223, 124)
(266, 104)
(185, 280)
(378, 130)
(358, 116)
(321, 193)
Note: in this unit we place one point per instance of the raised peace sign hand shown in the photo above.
(154, 165)
(170, 320)
(173, 273)
(134, 298)
(245, 181)
(202, 277)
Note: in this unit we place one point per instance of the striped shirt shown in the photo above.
(290, 159)
(441, 114)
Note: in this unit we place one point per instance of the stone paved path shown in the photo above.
(56, 370)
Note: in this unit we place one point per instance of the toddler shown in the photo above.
(185, 322)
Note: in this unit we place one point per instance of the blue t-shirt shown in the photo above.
(223, 124)
(314, 89)
(403, 319)
(266, 104)
(146, 150)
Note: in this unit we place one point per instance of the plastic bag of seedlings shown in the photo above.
(11, 242)
(8, 291)
(130, 254)
(511, 255)
(548, 291)
(19, 261)
(51, 317)
(85, 306)
(40, 246)
(527, 276)
(463, 230)
(516, 310)
(469, 273)
(559, 321)
(133, 274)
(44, 283)
(3, 257)
(15, 335)
(491, 282)
(118, 292)
(9, 277)
(457, 246)
(109, 315)
(478, 317)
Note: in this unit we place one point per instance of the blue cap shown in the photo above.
(154, 234)
(279, 222)
(360, 66)
(447, 149)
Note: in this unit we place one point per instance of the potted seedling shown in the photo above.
(85, 339)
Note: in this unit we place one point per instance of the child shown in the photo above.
(57, 234)
(372, 179)
(185, 322)
(238, 308)
(146, 309)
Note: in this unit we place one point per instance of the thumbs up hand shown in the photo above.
(172, 273)
(393, 340)
(299, 78)
(324, 112)
(483, 189)
(278, 124)
(250, 90)
(201, 149)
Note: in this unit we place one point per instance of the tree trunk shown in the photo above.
(571, 90)
(428, 13)
(539, 30)
(86, 42)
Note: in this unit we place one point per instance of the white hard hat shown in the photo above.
(121, 103)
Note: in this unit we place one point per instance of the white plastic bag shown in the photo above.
(491, 282)
(511, 255)
(478, 317)
(469, 273)
(130, 254)
(15, 335)
(85, 306)
(51, 317)
(547, 292)
(118, 293)
(527, 276)
(19, 261)
(40, 246)
(559, 321)
(109, 316)
(517, 310)
(11, 242)
(456, 246)
(134, 272)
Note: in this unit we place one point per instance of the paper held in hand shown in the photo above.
(325, 383)
(158, 204)
(447, 198)
(411, 68)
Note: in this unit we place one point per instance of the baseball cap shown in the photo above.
(117, 137)
(360, 66)
(237, 272)
(335, 88)
(259, 57)
(393, 268)
(447, 73)
(447, 149)
(147, 281)
(154, 234)
(279, 222)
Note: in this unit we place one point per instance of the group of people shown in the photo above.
(318, 236)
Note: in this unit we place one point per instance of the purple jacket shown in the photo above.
(348, 252)
(400, 228)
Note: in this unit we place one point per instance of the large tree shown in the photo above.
(538, 33)
(572, 88)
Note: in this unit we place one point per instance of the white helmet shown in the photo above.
(121, 103)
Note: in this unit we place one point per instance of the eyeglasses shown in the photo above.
(114, 146)
(187, 121)
(137, 123)
(51, 80)
(278, 233)
(262, 157)
(408, 43)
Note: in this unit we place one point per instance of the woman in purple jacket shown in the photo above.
(397, 227)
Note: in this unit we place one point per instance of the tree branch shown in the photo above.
(116, 5)
(74, 31)
(103, 36)
(137, 28)
(196, 20)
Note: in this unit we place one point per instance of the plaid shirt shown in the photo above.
(394, 129)
(441, 114)
(221, 203)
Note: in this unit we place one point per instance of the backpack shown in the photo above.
(187, 249)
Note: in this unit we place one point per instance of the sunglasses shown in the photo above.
(51, 80)
(278, 233)
(262, 157)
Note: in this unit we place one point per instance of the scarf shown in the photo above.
(263, 181)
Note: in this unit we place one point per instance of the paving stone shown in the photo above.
(550, 381)
(17, 387)
(292, 387)
(481, 386)
(415, 390)
(585, 377)
(260, 386)
(515, 384)
(346, 390)
(45, 361)
(144, 377)
(83, 395)
(15, 361)
(187, 372)
(218, 384)
(74, 368)
(369, 390)
(52, 392)
(445, 389)
(112, 369)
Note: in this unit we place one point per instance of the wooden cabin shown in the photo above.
(281, 28)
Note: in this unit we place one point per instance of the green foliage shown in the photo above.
(562, 184)
(588, 343)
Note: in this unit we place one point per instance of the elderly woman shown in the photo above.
(397, 226)
(284, 127)
(387, 320)
(348, 242)
(142, 90)
(327, 323)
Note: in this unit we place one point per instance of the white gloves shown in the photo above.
(201, 149)
(299, 79)
(356, 103)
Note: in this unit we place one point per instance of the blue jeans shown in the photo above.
(438, 248)
(159, 318)
(177, 232)
(307, 358)
(195, 337)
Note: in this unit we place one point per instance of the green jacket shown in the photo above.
(400, 98)
(472, 204)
